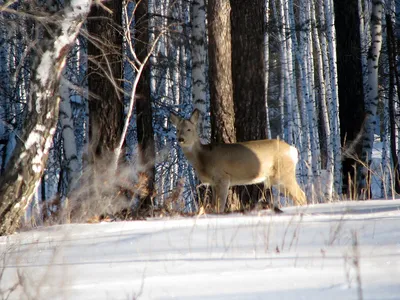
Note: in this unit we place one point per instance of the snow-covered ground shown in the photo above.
(325, 251)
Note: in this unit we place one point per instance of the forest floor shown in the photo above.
(344, 250)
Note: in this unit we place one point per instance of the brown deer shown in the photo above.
(272, 162)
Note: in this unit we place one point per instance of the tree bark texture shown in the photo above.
(220, 76)
(220, 72)
(350, 83)
(393, 77)
(199, 61)
(27, 164)
(248, 69)
(144, 114)
(372, 95)
(247, 23)
(106, 110)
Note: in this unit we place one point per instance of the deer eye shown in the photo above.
(189, 129)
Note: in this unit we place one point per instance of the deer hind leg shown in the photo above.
(293, 190)
(269, 197)
(220, 193)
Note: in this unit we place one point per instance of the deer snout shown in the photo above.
(181, 140)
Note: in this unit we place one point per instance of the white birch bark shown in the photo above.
(301, 130)
(371, 100)
(364, 40)
(324, 93)
(20, 181)
(278, 14)
(397, 103)
(334, 101)
(385, 165)
(68, 136)
(199, 56)
(290, 89)
(266, 67)
(311, 102)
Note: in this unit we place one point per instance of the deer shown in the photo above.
(221, 166)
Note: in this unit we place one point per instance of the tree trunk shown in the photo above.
(220, 76)
(144, 118)
(26, 166)
(371, 100)
(266, 68)
(199, 57)
(248, 77)
(331, 74)
(323, 90)
(350, 83)
(391, 46)
(73, 166)
(106, 110)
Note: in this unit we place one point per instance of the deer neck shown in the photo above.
(193, 149)
(192, 152)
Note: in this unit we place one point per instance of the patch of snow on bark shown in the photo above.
(72, 17)
(33, 138)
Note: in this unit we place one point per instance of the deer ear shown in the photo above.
(195, 116)
(174, 118)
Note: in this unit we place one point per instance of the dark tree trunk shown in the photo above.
(350, 83)
(144, 115)
(106, 110)
(391, 46)
(220, 78)
(27, 164)
(220, 72)
(248, 78)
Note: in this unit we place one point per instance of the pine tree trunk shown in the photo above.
(248, 78)
(26, 166)
(220, 76)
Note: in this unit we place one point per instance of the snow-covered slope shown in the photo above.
(326, 251)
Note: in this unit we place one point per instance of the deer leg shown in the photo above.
(298, 195)
(220, 193)
(274, 206)
(295, 192)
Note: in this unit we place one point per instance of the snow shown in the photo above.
(305, 253)
(70, 25)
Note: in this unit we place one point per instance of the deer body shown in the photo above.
(272, 162)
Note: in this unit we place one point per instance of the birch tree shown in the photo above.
(26, 165)
(304, 93)
(199, 57)
(393, 77)
(285, 128)
(328, 14)
(372, 97)
(322, 68)
(68, 135)
(266, 67)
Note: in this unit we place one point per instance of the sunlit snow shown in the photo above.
(305, 253)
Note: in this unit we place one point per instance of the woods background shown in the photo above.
(94, 137)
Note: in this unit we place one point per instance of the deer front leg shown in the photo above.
(220, 193)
